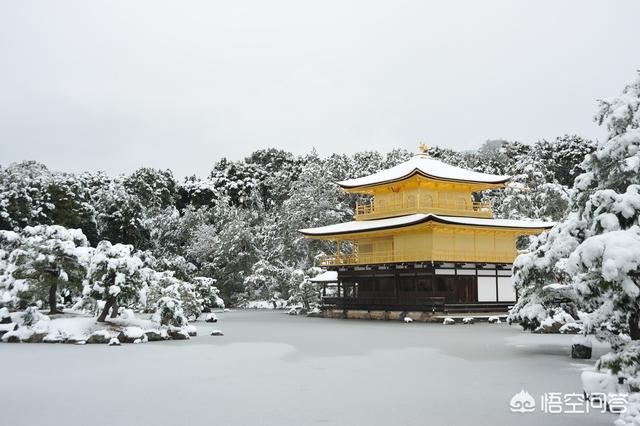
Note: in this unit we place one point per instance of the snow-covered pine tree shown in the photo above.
(592, 257)
(114, 277)
(227, 248)
(71, 198)
(49, 258)
(9, 241)
(120, 215)
(156, 189)
(24, 199)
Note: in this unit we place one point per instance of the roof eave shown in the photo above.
(499, 183)
(429, 218)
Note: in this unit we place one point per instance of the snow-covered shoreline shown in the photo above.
(79, 328)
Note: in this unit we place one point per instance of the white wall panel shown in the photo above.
(486, 289)
(506, 290)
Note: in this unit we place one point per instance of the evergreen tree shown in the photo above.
(115, 277)
(24, 199)
(591, 257)
(49, 258)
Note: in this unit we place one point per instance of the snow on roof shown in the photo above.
(429, 167)
(326, 277)
(415, 219)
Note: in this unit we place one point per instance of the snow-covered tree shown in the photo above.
(563, 157)
(115, 277)
(49, 258)
(155, 189)
(120, 215)
(591, 257)
(24, 199)
(164, 284)
(170, 313)
(207, 292)
(227, 248)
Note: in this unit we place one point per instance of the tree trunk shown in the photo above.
(634, 327)
(114, 309)
(103, 315)
(53, 300)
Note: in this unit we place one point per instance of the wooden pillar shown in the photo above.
(338, 254)
(395, 285)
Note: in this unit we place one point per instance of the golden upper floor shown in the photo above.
(423, 185)
(419, 195)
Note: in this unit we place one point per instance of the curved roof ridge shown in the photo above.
(426, 166)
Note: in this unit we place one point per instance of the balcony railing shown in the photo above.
(436, 255)
(375, 210)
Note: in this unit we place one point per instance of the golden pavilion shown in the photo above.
(422, 243)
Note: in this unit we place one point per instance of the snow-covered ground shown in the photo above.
(272, 368)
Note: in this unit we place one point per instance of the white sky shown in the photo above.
(115, 85)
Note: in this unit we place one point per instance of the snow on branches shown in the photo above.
(588, 265)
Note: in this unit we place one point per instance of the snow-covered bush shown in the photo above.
(207, 292)
(164, 284)
(170, 313)
(31, 316)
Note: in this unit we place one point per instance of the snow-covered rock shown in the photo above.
(20, 334)
(130, 334)
(156, 335)
(217, 333)
(468, 320)
(54, 337)
(99, 336)
(448, 321)
(581, 347)
(494, 320)
(178, 333)
(192, 330)
(5, 328)
(114, 341)
(407, 320)
(571, 328)
(211, 318)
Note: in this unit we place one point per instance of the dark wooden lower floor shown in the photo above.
(478, 288)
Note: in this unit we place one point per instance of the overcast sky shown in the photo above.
(116, 85)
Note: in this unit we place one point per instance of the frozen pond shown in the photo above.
(271, 368)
